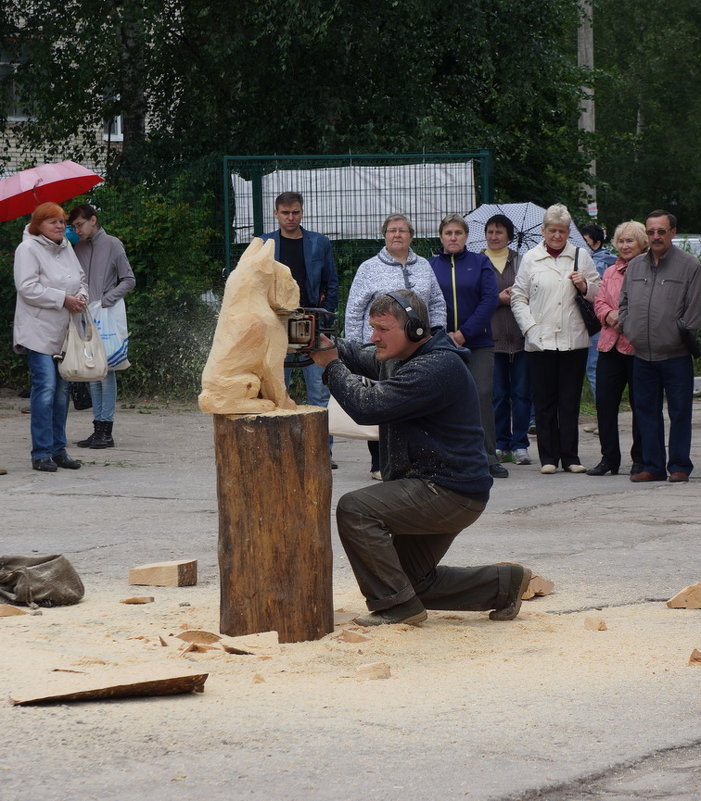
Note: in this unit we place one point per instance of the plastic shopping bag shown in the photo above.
(111, 322)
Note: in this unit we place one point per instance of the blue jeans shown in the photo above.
(104, 397)
(512, 400)
(674, 378)
(49, 406)
(592, 358)
(317, 392)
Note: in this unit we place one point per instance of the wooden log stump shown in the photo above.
(274, 495)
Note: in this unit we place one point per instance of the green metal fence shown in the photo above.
(347, 197)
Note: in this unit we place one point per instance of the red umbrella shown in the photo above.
(22, 192)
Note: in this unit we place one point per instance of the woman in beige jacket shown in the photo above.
(50, 286)
(557, 342)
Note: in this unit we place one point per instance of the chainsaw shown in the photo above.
(304, 327)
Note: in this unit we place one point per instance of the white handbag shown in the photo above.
(84, 354)
(341, 424)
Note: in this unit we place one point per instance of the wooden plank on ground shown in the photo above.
(179, 573)
(110, 683)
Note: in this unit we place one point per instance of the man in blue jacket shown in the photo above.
(309, 256)
(436, 478)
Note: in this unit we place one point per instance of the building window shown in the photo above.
(112, 131)
(8, 88)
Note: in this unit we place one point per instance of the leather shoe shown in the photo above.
(602, 468)
(678, 478)
(64, 460)
(636, 467)
(412, 612)
(647, 476)
(518, 584)
(45, 465)
(498, 471)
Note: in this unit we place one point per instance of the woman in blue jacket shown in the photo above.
(471, 295)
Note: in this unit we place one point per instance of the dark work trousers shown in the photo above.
(674, 377)
(396, 533)
(556, 382)
(614, 371)
(481, 366)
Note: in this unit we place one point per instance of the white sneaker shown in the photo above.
(376, 475)
(548, 469)
(503, 456)
(576, 468)
(521, 456)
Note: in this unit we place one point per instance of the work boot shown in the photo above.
(411, 612)
(103, 435)
(518, 584)
(87, 443)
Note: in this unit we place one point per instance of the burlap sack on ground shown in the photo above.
(39, 580)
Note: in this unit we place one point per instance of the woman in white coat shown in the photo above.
(50, 286)
(556, 339)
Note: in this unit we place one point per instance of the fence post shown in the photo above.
(226, 174)
(257, 198)
(487, 176)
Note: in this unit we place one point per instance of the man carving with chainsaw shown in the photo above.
(436, 481)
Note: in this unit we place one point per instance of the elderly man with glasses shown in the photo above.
(660, 311)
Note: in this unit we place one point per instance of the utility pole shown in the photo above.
(587, 121)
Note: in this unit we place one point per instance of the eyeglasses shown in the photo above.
(398, 231)
(658, 231)
(78, 225)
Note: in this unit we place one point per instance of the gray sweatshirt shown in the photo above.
(106, 267)
(382, 274)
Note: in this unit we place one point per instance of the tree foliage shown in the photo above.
(648, 111)
(192, 78)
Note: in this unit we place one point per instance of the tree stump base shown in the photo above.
(274, 497)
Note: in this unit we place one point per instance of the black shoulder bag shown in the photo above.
(586, 309)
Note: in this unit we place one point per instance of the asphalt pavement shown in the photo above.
(609, 545)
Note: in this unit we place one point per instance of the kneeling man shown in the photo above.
(435, 473)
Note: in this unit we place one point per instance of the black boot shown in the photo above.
(87, 443)
(103, 436)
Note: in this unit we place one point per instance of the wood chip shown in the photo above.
(688, 598)
(139, 599)
(538, 586)
(198, 648)
(7, 610)
(263, 643)
(341, 617)
(695, 658)
(199, 636)
(374, 670)
(595, 624)
(352, 636)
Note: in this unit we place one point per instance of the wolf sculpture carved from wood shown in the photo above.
(244, 373)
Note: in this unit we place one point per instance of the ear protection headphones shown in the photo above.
(413, 328)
